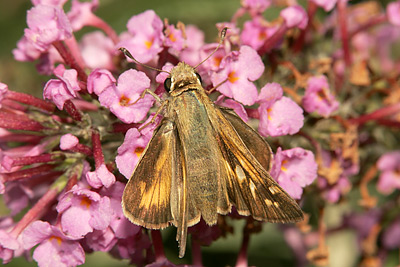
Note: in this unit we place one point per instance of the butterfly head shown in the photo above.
(181, 76)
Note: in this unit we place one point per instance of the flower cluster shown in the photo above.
(323, 89)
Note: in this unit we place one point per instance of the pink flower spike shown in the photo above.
(282, 117)
(99, 80)
(146, 36)
(64, 251)
(393, 13)
(83, 211)
(295, 16)
(47, 24)
(389, 180)
(318, 97)
(239, 70)
(294, 169)
(101, 176)
(120, 99)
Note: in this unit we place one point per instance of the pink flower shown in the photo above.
(239, 70)
(99, 80)
(145, 39)
(100, 177)
(295, 16)
(3, 91)
(97, 50)
(83, 211)
(68, 141)
(318, 96)
(393, 13)
(62, 89)
(194, 42)
(327, 5)
(133, 146)
(174, 39)
(81, 13)
(389, 165)
(279, 115)
(294, 169)
(55, 248)
(258, 6)
(236, 106)
(26, 50)
(332, 193)
(58, 3)
(129, 152)
(47, 24)
(120, 98)
(255, 34)
(9, 245)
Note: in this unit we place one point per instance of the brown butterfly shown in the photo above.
(202, 160)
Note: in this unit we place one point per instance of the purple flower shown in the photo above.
(97, 50)
(62, 89)
(318, 96)
(389, 165)
(83, 211)
(99, 80)
(279, 115)
(393, 13)
(120, 99)
(239, 70)
(294, 169)
(332, 193)
(295, 16)
(47, 24)
(55, 248)
(391, 236)
(145, 38)
(327, 5)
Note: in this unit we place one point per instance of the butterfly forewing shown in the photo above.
(146, 199)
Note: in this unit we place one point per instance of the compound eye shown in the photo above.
(167, 84)
(199, 77)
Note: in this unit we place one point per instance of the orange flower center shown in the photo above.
(124, 101)
(85, 201)
(138, 151)
(232, 78)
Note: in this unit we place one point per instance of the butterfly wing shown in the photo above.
(249, 186)
(146, 198)
(256, 144)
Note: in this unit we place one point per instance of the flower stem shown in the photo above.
(377, 114)
(196, 253)
(30, 100)
(342, 21)
(158, 245)
(72, 110)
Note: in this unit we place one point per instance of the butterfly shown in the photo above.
(201, 160)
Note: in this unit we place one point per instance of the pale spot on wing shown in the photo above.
(240, 173)
(253, 189)
(268, 202)
(276, 204)
(274, 189)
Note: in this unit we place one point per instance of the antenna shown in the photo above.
(223, 33)
(128, 54)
